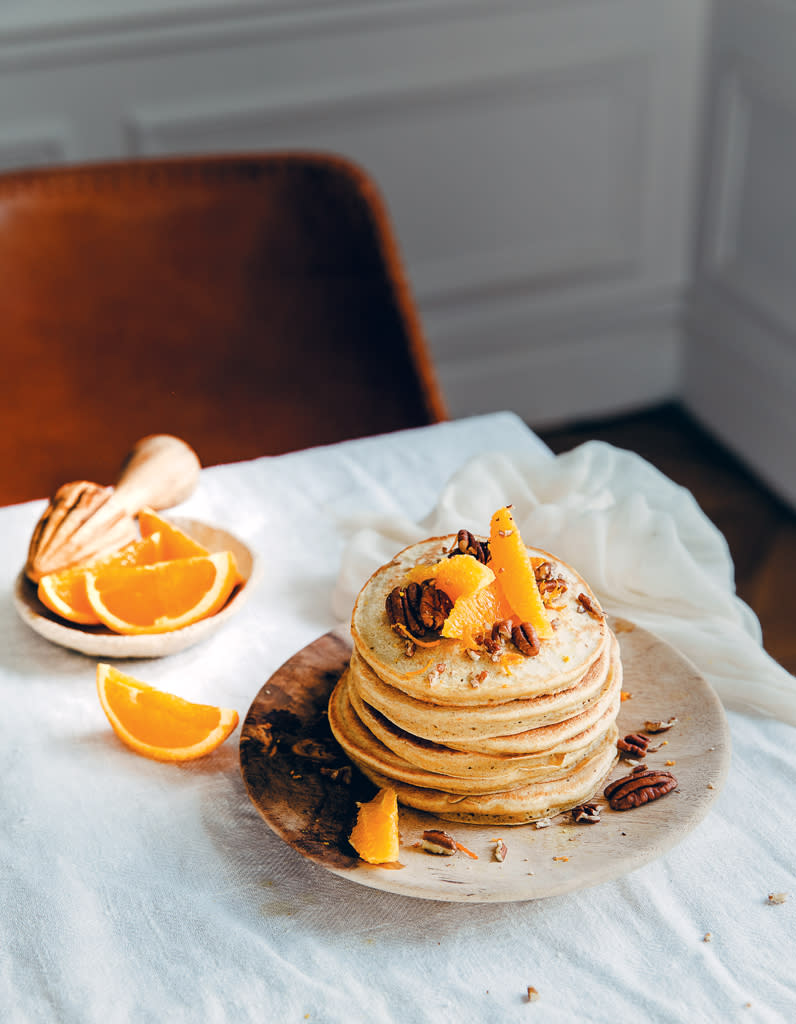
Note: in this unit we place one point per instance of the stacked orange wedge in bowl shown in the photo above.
(162, 582)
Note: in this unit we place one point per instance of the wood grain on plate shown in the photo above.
(296, 777)
(99, 641)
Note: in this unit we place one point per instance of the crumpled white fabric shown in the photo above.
(641, 541)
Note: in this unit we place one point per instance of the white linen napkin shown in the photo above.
(643, 544)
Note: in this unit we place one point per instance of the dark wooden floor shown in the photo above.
(760, 530)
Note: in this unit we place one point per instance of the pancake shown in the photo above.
(515, 806)
(452, 723)
(479, 729)
(576, 642)
(448, 760)
(370, 754)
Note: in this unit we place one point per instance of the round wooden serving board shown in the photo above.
(311, 804)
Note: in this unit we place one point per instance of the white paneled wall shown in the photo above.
(740, 368)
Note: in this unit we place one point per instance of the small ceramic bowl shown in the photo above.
(101, 642)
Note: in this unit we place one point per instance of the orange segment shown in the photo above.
(375, 834)
(64, 592)
(164, 596)
(457, 576)
(513, 568)
(160, 725)
(476, 613)
(175, 543)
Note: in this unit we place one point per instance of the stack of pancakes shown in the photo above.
(473, 734)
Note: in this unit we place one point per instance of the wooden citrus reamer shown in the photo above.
(85, 520)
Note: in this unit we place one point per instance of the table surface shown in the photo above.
(140, 891)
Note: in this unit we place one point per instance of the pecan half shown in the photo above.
(434, 607)
(634, 744)
(526, 639)
(642, 786)
(468, 544)
(586, 814)
(436, 841)
(419, 609)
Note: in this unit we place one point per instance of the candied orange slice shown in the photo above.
(457, 576)
(64, 592)
(157, 724)
(513, 569)
(476, 613)
(175, 543)
(375, 834)
(164, 596)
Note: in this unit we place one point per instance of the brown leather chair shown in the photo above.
(251, 305)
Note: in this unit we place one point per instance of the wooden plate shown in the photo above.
(311, 806)
(101, 642)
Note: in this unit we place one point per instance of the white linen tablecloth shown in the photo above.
(137, 891)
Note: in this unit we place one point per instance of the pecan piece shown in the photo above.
(417, 608)
(526, 639)
(434, 606)
(586, 814)
(587, 605)
(634, 744)
(642, 786)
(468, 544)
(436, 841)
(659, 726)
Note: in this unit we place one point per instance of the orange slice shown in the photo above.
(64, 592)
(175, 543)
(375, 834)
(164, 596)
(513, 568)
(160, 725)
(476, 613)
(457, 576)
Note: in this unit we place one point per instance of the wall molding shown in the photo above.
(600, 358)
(35, 145)
(43, 34)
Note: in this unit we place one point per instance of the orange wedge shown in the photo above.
(164, 596)
(458, 576)
(375, 834)
(175, 542)
(511, 562)
(476, 613)
(160, 725)
(64, 592)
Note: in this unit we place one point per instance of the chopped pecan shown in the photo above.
(436, 841)
(642, 786)
(552, 589)
(659, 726)
(501, 630)
(500, 851)
(419, 609)
(586, 814)
(468, 544)
(526, 639)
(587, 605)
(635, 744)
